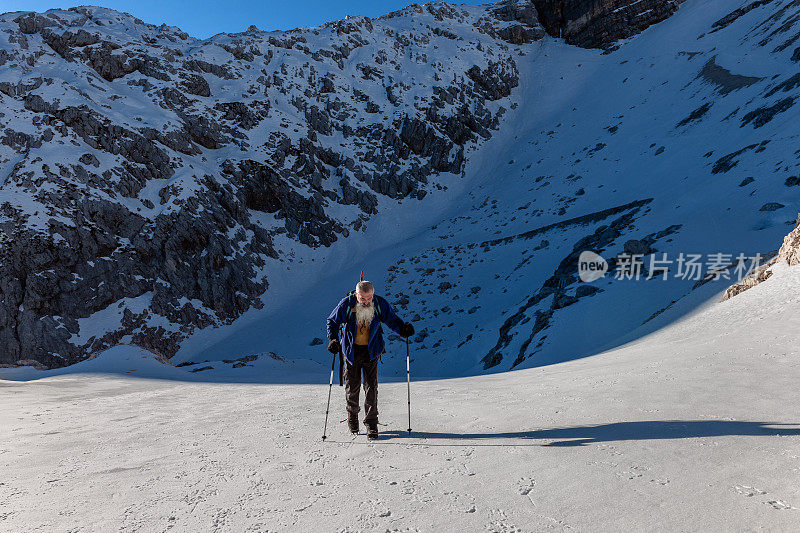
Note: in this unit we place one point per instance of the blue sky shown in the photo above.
(206, 18)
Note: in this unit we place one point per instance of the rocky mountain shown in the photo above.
(149, 179)
(147, 170)
(672, 159)
(155, 185)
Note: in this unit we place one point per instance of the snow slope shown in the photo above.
(692, 428)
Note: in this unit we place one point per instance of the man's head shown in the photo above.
(364, 293)
(365, 311)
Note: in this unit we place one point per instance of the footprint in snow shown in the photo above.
(749, 491)
(525, 486)
(779, 504)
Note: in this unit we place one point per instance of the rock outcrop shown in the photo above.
(788, 253)
(600, 23)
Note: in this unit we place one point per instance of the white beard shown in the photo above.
(364, 314)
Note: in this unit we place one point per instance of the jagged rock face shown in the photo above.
(599, 23)
(150, 179)
(790, 250)
(789, 253)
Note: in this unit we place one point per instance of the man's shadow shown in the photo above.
(616, 431)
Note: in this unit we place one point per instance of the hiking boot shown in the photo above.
(352, 423)
(372, 431)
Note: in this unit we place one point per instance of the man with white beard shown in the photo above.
(362, 313)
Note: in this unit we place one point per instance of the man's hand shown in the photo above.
(334, 346)
(406, 330)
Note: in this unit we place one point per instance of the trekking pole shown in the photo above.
(408, 375)
(328, 407)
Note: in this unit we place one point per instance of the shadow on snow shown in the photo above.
(585, 435)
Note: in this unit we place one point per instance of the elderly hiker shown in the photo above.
(361, 312)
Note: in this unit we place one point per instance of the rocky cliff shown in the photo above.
(600, 23)
(150, 179)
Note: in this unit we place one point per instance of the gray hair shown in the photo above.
(363, 287)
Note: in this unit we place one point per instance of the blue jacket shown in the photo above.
(383, 313)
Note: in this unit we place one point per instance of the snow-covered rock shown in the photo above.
(139, 163)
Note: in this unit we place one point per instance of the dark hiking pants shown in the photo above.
(353, 384)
